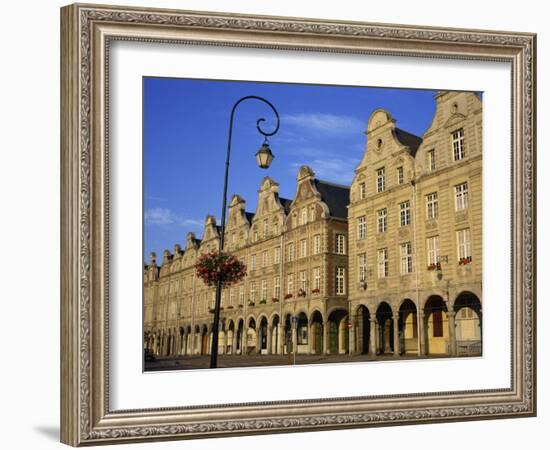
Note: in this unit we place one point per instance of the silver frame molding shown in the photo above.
(86, 31)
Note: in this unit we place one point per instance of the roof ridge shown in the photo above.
(331, 183)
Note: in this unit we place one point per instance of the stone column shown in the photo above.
(372, 337)
(396, 349)
(258, 348)
(308, 328)
(269, 334)
(423, 333)
(359, 333)
(325, 338)
(280, 338)
(452, 332)
(352, 334)
(386, 336)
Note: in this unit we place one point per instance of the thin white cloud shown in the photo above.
(165, 216)
(324, 123)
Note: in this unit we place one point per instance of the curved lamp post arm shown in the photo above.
(266, 134)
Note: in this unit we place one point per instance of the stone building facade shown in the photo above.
(401, 250)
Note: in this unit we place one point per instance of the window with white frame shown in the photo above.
(277, 287)
(362, 190)
(317, 244)
(317, 278)
(303, 248)
(432, 209)
(400, 175)
(290, 252)
(382, 216)
(406, 258)
(304, 216)
(461, 196)
(362, 267)
(431, 160)
(312, 214)
(277, 255)
(405, 213)
(264, 290)
(340, 280)
(290, 283)
(241, 295)
(252, 291)
(381, 180)
(383, 263)
(231, 297)
(303, 280)
(264, 259)
(252, 262)
(459, 151)
(341, 244)
(266, 229)
(361, 227)
(255, 236)
(432, 246)
(463, 244)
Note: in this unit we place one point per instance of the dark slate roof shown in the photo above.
(336, 196)
(410, 140)
(249, 216)
(285, 202)
(219, 229)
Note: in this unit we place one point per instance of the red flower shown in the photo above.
(215, 266)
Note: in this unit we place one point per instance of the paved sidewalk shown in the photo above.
(203, 362)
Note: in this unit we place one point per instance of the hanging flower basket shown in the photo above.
(215, 266)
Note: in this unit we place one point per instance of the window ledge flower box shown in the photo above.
(464, 261)
(263, 302)
(316, 291)
(301, 293)
(287, 296)
(275, 300)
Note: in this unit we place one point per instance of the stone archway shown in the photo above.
(468, 324)
(408, 328)
(436, 327)
(386, 331)
(274, 342)
(338, 332)
(263, 336)
(362, 330)
(316, 332)
(251, 339)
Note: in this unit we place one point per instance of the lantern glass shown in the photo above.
(264, 157)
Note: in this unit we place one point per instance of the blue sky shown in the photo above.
(185, 127)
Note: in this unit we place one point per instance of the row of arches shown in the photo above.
(382, 330)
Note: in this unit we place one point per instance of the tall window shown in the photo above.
(431, 206)
(340, 281)
(252, 291)
(361, 227)
(362, 267)
(400, 175)
(382, 220)
(317, 244)
(304, 216)
(241, 295)
(290, 283)
(362, 190)
(253, 262)
(264, 290)
(277, 255)
(406, 258)
(432, 245)
(264, 259)
(303, 248)
(303, 280)
(461, 196)
(277, 287)
(312, 214)
(459, 152)
(405, 213)
(341, 244)
(266, 229)
(231, 296)
(381, 180)
(317, 278)
(463, 244)
(255, 236)
(431, 160)
(290, 252)
(383, 263)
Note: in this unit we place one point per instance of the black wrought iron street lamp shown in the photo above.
(264, 157)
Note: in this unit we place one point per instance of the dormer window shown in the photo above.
(381, 179)
(459, 151)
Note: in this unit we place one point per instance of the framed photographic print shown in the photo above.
(254, 205)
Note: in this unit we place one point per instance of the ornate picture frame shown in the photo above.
(87, 31)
